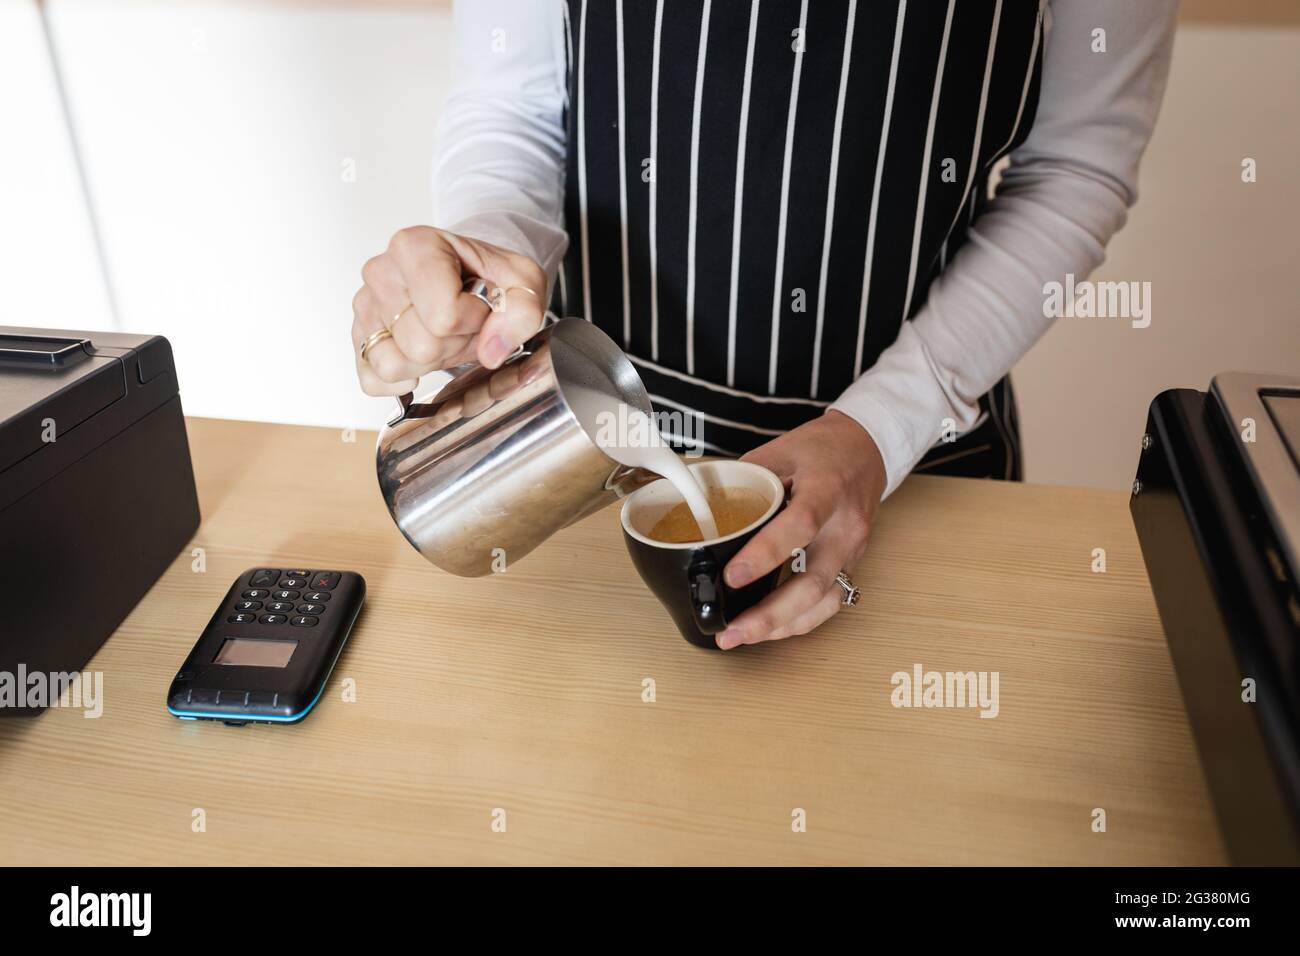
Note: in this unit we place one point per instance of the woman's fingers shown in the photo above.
(372, 384)
(523, 286)
(809, 509)
(431, 272)
(466, 353)
(522, 314)
(414, 290)
(803, 595)
(815, 616)
(364, 322)
(385, 358)
(776, 458)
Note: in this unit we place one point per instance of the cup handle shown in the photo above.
(704, 580)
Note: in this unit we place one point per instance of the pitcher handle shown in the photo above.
(480, 289)
(407, 407)
(403, 406)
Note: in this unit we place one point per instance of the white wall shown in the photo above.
(49, 268)
(214, 135)
(1221, 256)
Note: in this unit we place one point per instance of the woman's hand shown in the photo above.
(414, 290)
(836, 477)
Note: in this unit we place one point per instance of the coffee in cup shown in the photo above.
(685, 571)
(734, 509)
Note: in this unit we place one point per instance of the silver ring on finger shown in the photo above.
(491, 296)
(851, 592)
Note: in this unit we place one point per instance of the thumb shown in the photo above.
(774, 458)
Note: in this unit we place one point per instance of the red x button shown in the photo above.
(325, 581)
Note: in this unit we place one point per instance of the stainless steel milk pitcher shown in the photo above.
(498, 460)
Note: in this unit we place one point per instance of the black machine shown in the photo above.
(268, 651)
(97, 492)
(1216, 504)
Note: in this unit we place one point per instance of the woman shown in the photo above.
(782, 215)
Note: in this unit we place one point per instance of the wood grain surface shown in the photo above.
(523, 692)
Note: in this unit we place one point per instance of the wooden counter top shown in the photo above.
(523, 692)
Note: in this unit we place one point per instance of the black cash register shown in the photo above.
(1216, 503)
(97, 492)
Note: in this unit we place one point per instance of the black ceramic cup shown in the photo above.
(687, 578)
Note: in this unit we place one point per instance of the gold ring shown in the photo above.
(522, 288)
(373, 339)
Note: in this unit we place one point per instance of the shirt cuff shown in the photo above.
(903, 406)
(885, 430)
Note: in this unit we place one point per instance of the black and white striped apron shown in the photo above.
(759, 193)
